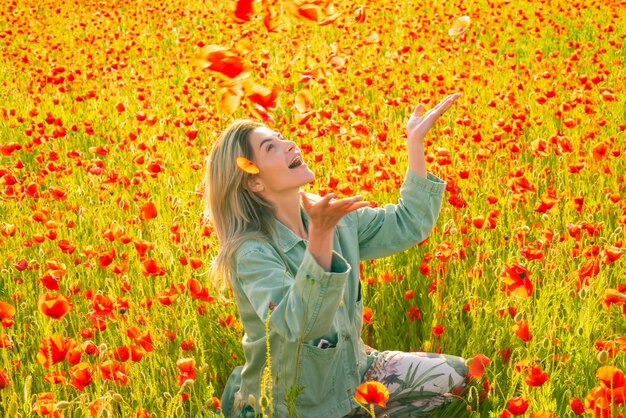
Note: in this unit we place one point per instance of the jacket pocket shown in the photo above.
(319, 370)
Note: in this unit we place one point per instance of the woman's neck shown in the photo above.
(287, 209)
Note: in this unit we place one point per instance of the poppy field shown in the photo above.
(108, 110)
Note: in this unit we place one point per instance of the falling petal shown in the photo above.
(244, 11)
(304, 101)
(222, 60)
(329, 20)
(459, 26)
(229, 101)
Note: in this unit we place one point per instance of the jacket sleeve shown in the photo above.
(302, 307)
(390, 229)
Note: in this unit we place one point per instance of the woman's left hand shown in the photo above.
(419, 124)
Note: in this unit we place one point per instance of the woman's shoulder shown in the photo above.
(251, 246)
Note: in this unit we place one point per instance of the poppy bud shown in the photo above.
(602, 356)
(61, 405)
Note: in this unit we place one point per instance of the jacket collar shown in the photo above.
(285, 237)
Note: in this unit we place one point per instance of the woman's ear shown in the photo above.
(255, 184)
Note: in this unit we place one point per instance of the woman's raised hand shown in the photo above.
(420, 122)
(323, 217)
(327, 211)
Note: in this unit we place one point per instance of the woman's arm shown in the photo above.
(418, 126)
(393, 228)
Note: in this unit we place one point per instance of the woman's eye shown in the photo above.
(269, 147)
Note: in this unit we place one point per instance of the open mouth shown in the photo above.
(296, 162)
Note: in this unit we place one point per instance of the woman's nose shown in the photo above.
(289, 146)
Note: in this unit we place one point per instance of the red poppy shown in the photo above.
(367, 314)
(7, 311)
(414, 313)
(81, 375)
(476, 365)
(56, 377)
(115, 371)
(102, 306)
(4, 379)
(148, 211)
(516, 282)
(522, 330)
(535, 376)
(121, 353)
(5, 341)
(74, 354)
(517, 405)
(53, 350)
(197, 291)
(101, 407)
(577, 406)
(143, 413)
(372, 392)
(44, 405)
(542, 414)
(54, 305)
(187, 370)
(611, 377)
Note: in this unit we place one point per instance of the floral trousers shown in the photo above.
(418, 383)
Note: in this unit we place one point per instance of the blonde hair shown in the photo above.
(237, 213)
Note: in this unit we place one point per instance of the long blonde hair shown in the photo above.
(237, 213)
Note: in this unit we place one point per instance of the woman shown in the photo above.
(292, 262)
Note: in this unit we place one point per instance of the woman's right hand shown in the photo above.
(324, 214)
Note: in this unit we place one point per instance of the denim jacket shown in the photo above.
(315, 316)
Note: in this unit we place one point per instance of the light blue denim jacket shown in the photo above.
(315, 317)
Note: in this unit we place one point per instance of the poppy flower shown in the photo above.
(476, 365)
(577, 406)
(5, 341)
(115, 371)
(522, 330)
(542, 414)
(367, 314)
(54, 305)
(7, 311)
(102, 307)
(101, 407)
(535, 376)
(53, 350)
(56, 377)
(143, 413)
(611, 377)
(148, 211)
(4, 379)
(44, 405)
(372, 392)
(516, 282)
(81, 375)
(187, 370)
(517, 405)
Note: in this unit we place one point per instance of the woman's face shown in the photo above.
(280, 163)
